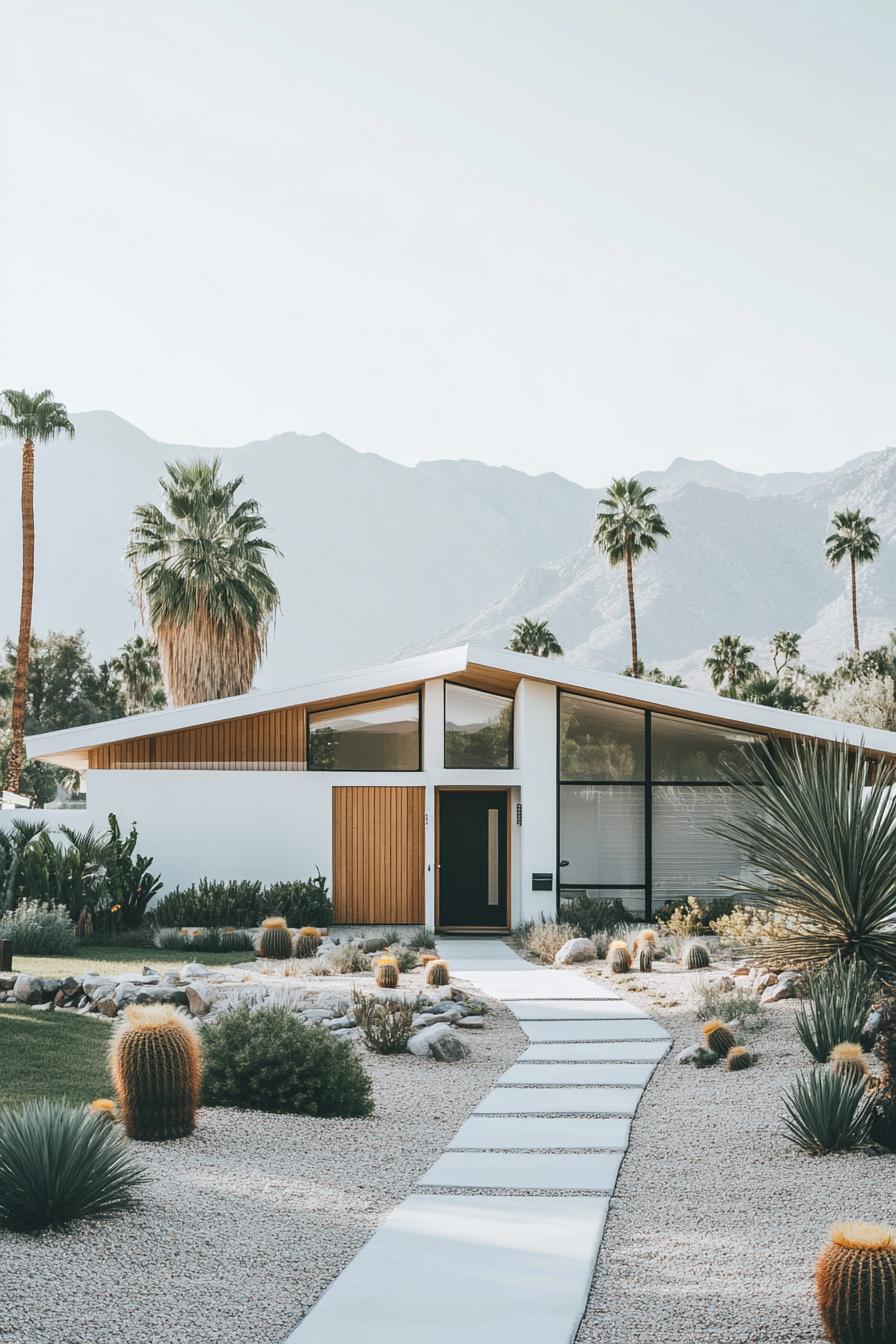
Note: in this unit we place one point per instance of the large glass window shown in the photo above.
(685, 750)
(600, 741)
(602, 834)
(377, 735)
(688, 860)
(478, 729)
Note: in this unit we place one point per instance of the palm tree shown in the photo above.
(534, 637)
(626, 526)
(201, 576)
(729, 664)
(138, 667)
(30, 420)
(851, 535)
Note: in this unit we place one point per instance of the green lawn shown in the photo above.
(52, 1055)
(109, 960)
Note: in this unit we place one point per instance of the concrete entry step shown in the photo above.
(506, 1132)
(560, 1101)
(633, 1029)
(506, 1269)
(599, 1051)
(585, 1172)
(576, 1075)
(556, 1010)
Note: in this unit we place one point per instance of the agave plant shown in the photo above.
(60, 1162)
(828, 1111)
(839, 1000)
(818, 831)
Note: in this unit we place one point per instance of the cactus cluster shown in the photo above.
(718, 1037)
(848, 1058)
(619, 959)
(385, 972)
(275, 941)
(437, 972)
(738, 1057)
(855, 1281)
(695, 957)
(156, 1069)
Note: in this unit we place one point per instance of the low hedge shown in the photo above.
(244, 904)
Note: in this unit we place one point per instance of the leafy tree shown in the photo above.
(627, 526)
(30, 420)
(137, 666)
(65, 689)
(763, 689)
(38, 779)
(534, 637)
(655, 674)
(868, 701)
(852, 538)
(200, 571)
(729, 664)
(785, 649)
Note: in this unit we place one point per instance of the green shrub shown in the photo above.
(267, 1060)
(405, 956)
(38, 930)
(386, 1024)
(594, 914)
(299, 903)
(712, 1001)
(828, 1111)
(422, 940)
(205, 940)
(59, 1163)
(836, 1002)
(244, 904)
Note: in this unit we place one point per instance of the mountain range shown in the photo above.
(380, 559)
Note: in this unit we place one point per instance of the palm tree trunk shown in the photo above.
(16, 758)
(630, 577)
(855, 605)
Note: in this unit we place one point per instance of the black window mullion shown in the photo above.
(648, 818)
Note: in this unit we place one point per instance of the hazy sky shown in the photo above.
(585, 237)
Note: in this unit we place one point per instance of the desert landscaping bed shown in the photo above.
(717, 1220)
(244, 1224)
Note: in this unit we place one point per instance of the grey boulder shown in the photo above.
(28, 988)
(575, 949)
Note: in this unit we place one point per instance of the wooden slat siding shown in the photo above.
(378, 854)
(271, 741)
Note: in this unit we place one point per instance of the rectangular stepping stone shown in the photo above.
(577, 1075)
(473, 1267)
(513, 987)
(561, 1010)
(599, 1051)
(534, 1131)
(560, 1101)
(620, 1029)
(586, 1172)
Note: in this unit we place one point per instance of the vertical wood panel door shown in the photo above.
(378, 854)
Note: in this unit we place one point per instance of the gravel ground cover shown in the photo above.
(717, 1220)
(247, 1222)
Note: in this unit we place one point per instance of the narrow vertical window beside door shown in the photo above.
(493, 863)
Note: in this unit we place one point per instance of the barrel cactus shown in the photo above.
(308, 940)
(848, 1058)
(386, 972)
(695, 957)
(103, 1108)
(437, 972)
(644, 957)
(718, 1037)
(855, 1281)
(156, 1070)
(738, 1057)
(275, 941)
(619, 958)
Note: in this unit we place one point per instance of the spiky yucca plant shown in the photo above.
(619, 959)
(275, 941)
(58, 1163)
(827, 1111)
(855, 1282)
(437, 972)
(837, 1002)
(847, 1058)
(385, 972)
(737, 1058)
(156, 1069)
(695, 956)
(719, 1038)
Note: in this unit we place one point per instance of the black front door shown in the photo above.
(472, 860)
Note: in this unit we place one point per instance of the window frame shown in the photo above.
(497, 695)
(359, 704)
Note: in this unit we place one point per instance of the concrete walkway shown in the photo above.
(475, 1262)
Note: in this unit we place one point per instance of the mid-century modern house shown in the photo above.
(466, 789)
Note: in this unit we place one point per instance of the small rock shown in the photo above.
(687, 1055)
(576, 949)
(151, 970)
(420, 1042)
(346, 1034)
(741, 970)
(193, 970)
(335, 1024)
(98, 986)
(200, 998)
(317, 1015)
(448, 1049)
(47, 1007)
(875, 1020)
(373, 945)
(792, 976)
(724, 983)
(762, 982)
(467, 1022)
(28, 988)
(775, 993)
(71, 986)
(107, 1006)
(8, 980)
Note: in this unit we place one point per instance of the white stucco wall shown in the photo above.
(535, 753)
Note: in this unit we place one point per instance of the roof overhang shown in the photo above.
(471, 662)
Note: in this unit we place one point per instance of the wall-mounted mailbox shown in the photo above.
(542, 881)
